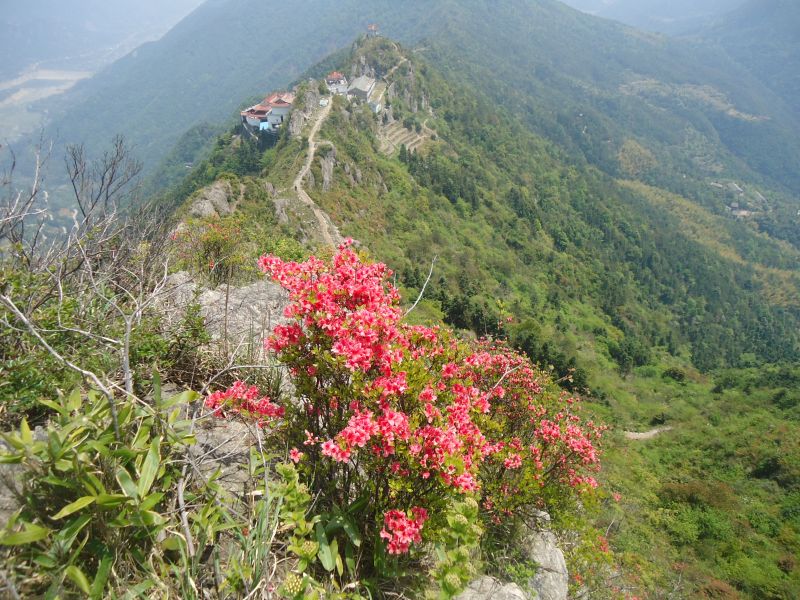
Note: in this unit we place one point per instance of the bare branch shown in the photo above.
(422, 291)
(87, 374)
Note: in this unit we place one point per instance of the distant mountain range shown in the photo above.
(80, 36)
(764, 35)
(560, 66)
(667, 16)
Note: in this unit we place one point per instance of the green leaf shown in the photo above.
(182, 398)
(12, 439)
(25, 433)
(126, 483)
(339, 564)
(74, 506)
(74, 401)
(173, 542)
(50, 404)
(151, 518)
(352, 531)
(358, 504)
(350, 559)
(151, 501)
(111, 500)
(32, 533)
(139, 589)
(94, 486)
(324, 554)
(100, 578)
(70, 531)
(78, 578)
(149, 468)
(156, 389)
(43, 560)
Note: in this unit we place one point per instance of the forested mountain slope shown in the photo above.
(628, 290)
(668, 16)
(765, 37)
(588, 84)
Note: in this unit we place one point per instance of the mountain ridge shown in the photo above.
(616, 284)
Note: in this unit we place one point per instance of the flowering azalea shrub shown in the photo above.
(242, 399)
(397, 422)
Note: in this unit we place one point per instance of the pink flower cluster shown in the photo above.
(243, 399)
(400, 530)
(409, 405)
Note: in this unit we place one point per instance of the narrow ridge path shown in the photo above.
(329, 232)
(646, 435)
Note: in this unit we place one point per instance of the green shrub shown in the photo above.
(96, 510)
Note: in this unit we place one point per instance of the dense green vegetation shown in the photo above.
(577, 197)
(624, 288)
(715, 498)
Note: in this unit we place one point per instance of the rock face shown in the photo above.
(246, 314)
(327, 164)
(225, 445)
(11, 480)
(551, 581)
(296, 123)
(214, 200)
(489, 588)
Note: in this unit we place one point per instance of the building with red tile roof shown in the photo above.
(270, 113)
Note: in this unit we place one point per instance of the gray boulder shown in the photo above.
(214, 200)
(551, 581)
(249, 314)
(489, 588)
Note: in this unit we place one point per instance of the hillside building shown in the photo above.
(337, 83)
(361, 88)
(269, 114)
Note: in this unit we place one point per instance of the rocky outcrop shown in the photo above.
(281, 204)
(327, 163)
(551, 581)
(311, 97)
(243, 315)
(296, 123)
(224, 445)
(362, 67)
(215, 200)
(299, 118)
(489, 588)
